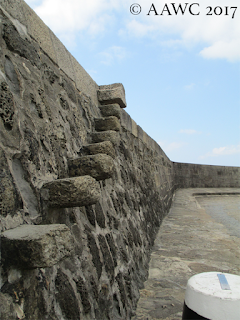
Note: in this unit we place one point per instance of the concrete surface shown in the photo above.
(200, 234)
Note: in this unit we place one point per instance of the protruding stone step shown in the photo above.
(105, 147)
(110, 135)
(111, 110)
(71, 192)
(36, 246)
(99, 166)
(112, 93)
(108, 123)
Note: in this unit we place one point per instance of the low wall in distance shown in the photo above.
(189, 175)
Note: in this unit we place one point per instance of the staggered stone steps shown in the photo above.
(96, 159)
(40, 246)
(98, 163)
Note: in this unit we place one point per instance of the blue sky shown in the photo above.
(181, 73)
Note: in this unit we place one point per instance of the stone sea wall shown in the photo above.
(83, 189)
(189, 175)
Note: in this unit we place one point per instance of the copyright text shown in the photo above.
(193, 9)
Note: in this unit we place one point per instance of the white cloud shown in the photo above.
(137, 29)
(223, 49)
(223, 151)
(112, 54)
(218, 35)
(74, 15)
(189, 131)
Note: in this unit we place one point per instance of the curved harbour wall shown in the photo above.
(188, 175)
(83, 189)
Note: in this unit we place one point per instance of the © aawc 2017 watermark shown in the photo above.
(194, 9)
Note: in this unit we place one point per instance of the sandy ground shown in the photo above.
(200, 234)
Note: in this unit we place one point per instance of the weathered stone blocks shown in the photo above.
(71, 192)
(100, 215)
(10, 200)
(7, 307)
(36, 246)
(108, 261)
(81, 288)
(112, 236)
(111, 110)
(99, 166)
(108, 123)
(109, 135)
(6, 106)
(105, 147)
(94, 252)
(22, 47)
(113, 93)
(66, 297)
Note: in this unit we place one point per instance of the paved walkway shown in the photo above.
(197, 236)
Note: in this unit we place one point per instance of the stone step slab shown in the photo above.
(99, 166)
(112, 93)
(110, 135)
(36, 246)
(71, 192)
(108, 123)
(111, 110)
(105, 147)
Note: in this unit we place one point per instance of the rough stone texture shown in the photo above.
(39, 31)
(48, 104)
(111, 110)
(100, 217)
(112, 93)
(189, 175)
(94, 250)
(110, 135)
(36, 246)
(108, 123)
(66, 297)
(10, 200)
(15, 8)
(7, 311)
(63, 57)
(6, 106)
(81, 288)
(20, 46)
(99, 166)
(135, 130)
(84, 82)
(105, 147)
(71, 192)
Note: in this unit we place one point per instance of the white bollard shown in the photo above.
(212, 295)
